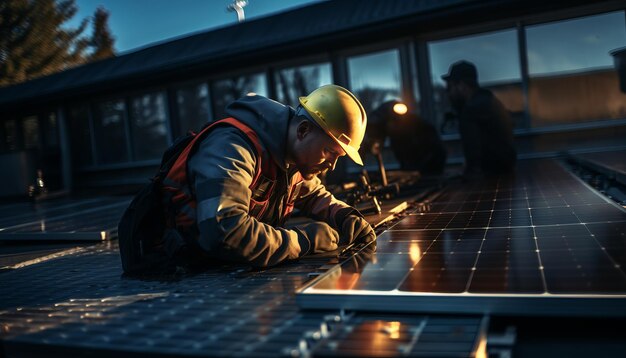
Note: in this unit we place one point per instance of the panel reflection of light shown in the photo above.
(481, 350)
(347, 280)
(77, 311)
(392, 329)
(414, 252)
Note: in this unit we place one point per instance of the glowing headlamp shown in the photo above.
(400, 108)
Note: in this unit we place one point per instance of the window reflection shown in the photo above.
(375, 78)
(291, 83)
(496, 57)
(193, 107)
(572, 78)
(149, 126)
(52, 135)
(30, 130)
(110, 132)
(10, 135)
(80, 137)
(228, 90)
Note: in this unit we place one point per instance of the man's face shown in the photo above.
(453, 88)
(315, 151)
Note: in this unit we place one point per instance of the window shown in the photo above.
(496, 57)
(228, 90)
(375, 78)
(149, 130)
(571, 74)
(10, 135)
(193, 107)
(51, 131)
(110, 132)
(30, 130)
(80, 135)
(291, 83)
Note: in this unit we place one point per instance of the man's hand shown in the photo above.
(316, 237)
(356, 229)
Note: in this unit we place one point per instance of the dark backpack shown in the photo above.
(146, 244)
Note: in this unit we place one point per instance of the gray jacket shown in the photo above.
(221, 172)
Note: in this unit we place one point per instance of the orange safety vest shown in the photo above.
(178, 193)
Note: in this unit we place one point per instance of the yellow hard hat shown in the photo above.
(340, 115)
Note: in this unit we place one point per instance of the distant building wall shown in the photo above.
(576, 98)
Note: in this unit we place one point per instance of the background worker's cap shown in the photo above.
(462, 70)
(340, 114)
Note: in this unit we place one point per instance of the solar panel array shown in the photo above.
(66, 219)
(79, 304)
(610, 164)
(539, 243)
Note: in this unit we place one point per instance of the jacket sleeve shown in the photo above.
(316, 202)
(221, 172)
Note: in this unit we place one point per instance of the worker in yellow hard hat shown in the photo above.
(340, 115)
(235, 184)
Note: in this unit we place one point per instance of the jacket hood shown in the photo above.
(269, 119)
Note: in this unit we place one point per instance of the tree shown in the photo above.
(101, 41)
(34, 42)
(297, 82)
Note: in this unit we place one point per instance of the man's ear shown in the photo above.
(304, 128)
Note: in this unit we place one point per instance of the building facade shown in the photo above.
(107, 123)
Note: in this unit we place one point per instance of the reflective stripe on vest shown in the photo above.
(179, 197)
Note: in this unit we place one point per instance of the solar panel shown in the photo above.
(78, 303)
(82, 220)
(542, 243)
(611, 164)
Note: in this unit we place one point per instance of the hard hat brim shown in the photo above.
(350, 151)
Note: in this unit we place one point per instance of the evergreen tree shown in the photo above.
(34, 41)
(101, 40)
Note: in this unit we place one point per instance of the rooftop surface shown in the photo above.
(76, 301)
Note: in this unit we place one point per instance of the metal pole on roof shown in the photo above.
(238, 6)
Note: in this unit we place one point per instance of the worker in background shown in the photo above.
(414, 142)
(233, 190)
(485, 126)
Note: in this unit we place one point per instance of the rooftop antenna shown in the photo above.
(238, 6)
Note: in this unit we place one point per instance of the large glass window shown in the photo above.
(10, 135)
(110, 132)
(294, 82)
(80, 135)
(51, 131)
(30, 130)
(149, 126)
(375, 78)
(228, 90)
(572, 78)
(496, 57)
(193, 106)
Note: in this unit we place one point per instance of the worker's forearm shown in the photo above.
(318, 203)
(245, 239)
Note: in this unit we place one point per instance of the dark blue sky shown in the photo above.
(137, 23)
